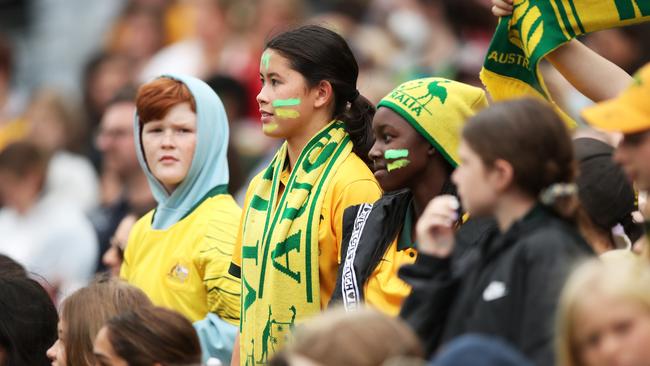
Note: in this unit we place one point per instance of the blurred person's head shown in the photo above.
(105, 74)
(114, 256)
(23, 169)
(84, 313)
(153, 337)
(605, 194)
(513, 152)
(212, 23)
(629, 113)
(28, 321)
(139, 32)
(233, 94)
(479, 350)
(54, 125)
(9, 267)
(154, 4)
(604, 313)
(469, 16)
(361, 338)
(415, 147)
(115, 135)
(273, 15)
(310, 78)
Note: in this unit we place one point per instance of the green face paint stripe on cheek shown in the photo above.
(285, 102)
(266, 58)
(286, 113)
(397, 164)
(396, 153)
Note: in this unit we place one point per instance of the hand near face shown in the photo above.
(435, 228)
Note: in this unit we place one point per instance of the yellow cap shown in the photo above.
(627, 113)
(437, 108)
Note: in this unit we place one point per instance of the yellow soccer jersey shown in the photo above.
(185, 267)
(384, 290)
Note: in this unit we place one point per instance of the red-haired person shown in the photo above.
(179, 253)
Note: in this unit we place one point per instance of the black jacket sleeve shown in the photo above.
(433, 291)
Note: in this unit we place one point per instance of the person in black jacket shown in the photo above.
(417, 130)
(517, 166)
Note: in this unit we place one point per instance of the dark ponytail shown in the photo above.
(321, 54)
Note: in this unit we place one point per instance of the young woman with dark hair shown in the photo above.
(516, 164)
(417, 130)
(149, 337)
(290, 233)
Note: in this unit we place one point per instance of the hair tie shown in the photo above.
(550, 194)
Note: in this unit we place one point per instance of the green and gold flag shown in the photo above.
(537, 27)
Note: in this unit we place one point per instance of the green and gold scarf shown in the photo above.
(280, 274)
(537, 27)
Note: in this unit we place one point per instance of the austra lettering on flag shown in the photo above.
(537, 27)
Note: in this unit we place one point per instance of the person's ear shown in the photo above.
(324, 93)
(501, 174)
(431, 151)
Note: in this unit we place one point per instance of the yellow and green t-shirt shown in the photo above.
(185, 267)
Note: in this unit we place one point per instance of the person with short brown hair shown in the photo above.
(365, 337)
(40, 230)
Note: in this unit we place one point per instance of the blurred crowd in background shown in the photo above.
(69, 71)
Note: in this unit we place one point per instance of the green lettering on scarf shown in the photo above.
(250, 251)
(323, 156)
(258, 203)
(291, 213)
(291, 243)
(249, 298)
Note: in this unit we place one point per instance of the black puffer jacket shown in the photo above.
(507, 286)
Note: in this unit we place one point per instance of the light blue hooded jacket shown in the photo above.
(208, 174)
